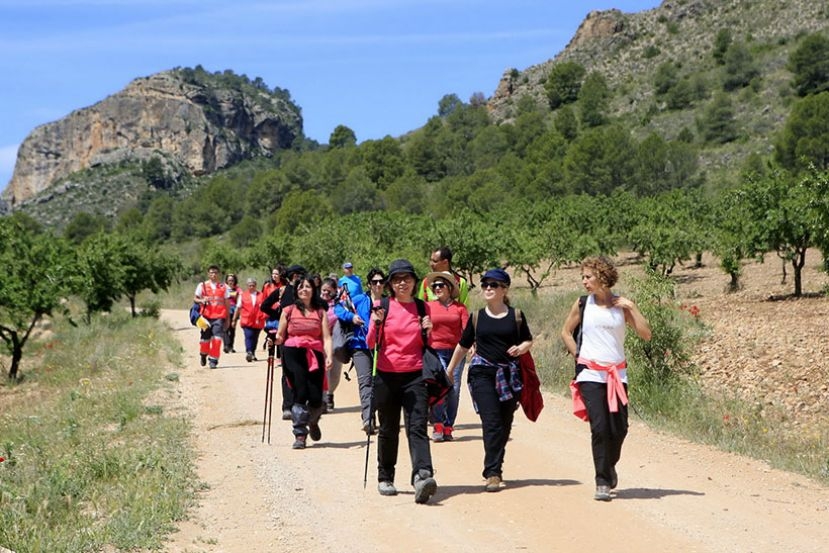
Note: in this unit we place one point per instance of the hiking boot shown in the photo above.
(299, 443)
(614, 478)
(213, 364)
(437, 433)
(226, 350)
(315, 432)
(447, 434)
(249, 357)
(203, 359)
(493, 484)
(425, 487)
(602, 493)
(286, 415)
(386, 488)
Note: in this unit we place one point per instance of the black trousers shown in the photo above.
(496, 417)
(393, 392)
(607, 430)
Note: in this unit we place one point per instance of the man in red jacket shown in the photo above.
(212, 294)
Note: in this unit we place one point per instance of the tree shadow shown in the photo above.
(792, 297)
(651, 493)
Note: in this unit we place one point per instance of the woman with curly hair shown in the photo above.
(601, 369)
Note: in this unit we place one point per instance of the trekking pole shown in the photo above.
(371, 409)
(266, 417)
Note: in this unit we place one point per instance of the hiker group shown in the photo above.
(408, 339)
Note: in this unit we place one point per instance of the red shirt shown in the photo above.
(401, 348)
(448, 323)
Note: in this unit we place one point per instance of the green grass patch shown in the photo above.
(95, 456)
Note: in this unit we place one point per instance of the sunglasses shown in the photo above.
(491, 284)
(436, 285)
(378, 282)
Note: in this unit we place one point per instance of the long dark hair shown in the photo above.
(316, 301)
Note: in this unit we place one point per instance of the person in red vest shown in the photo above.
(253, 320)
(213, 296)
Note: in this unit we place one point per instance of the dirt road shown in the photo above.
(672, 495)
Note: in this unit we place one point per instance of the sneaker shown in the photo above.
(249, 357)
(425, 487)
(437, 433)
(493, 484)
(329, 401)
(286, 415)
(299, 443)
(315, 432)
(386, 488)
(203, 359)
(213, 364)
(614, 478)
(447, 433)
(602, 493)
(226, 350)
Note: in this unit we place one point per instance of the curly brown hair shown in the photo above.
(603, 269)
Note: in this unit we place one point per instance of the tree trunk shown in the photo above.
(132, 305)
(17, 355)
(734, 285)
(798, 261)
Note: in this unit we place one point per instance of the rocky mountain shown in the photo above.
(191, 120)
(628, 49)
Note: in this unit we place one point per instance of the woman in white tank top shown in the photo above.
(601, 369)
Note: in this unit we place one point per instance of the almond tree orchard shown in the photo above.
(36, 267)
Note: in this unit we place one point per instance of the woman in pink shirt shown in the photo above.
(398, 333)
(449, 317)
(306, 355)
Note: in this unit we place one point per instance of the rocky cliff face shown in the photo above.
(200, 126)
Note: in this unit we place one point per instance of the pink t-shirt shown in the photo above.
(401, 347)
(304, 330)
(448, 323)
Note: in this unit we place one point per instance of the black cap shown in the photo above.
(294, 269)
(401, 266)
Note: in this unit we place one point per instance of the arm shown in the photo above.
(570, 323)
(634, 317)
(327, 346)
(283, 328)
(457, 355)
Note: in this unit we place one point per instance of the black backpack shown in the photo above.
(577, 334)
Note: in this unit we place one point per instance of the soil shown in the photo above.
(672, 496)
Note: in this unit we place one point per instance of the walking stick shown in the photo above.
(266, 417)
(371, 408)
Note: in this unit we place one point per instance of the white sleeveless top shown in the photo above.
(603, 339)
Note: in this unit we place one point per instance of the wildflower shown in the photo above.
(694, 311)
(2, 459)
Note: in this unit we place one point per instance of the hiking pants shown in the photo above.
(607, 430)
(496, 417)
(393, 391)
(251, 338)
(306, 386)
(210, 341)
(446, 412)
(363, 365)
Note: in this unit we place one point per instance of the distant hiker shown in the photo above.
(494, 376)
(253, 320)
(601, 369)
(441, 261)
(212, 294)
(273, 305)
(233, 291)
(350, 280)
(328, 292)
(306, 355)
(398, 383)
(449, 318)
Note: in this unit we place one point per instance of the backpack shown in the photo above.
(195, 310)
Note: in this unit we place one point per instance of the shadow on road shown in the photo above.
(651, 493)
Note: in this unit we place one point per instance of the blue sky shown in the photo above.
(377, 66)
